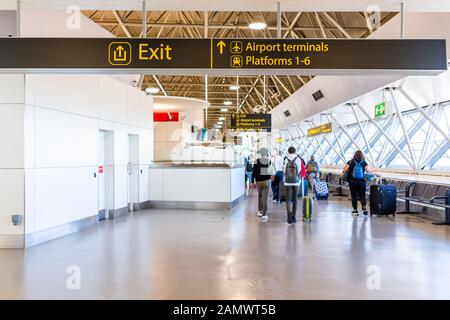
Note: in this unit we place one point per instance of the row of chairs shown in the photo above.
(426, 194)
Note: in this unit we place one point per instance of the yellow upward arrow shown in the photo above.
(221, 45)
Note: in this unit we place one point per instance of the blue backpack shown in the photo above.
(358, 170)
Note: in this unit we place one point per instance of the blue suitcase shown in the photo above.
(383, 199)
(321, 190)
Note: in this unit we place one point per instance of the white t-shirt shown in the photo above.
(278, 163)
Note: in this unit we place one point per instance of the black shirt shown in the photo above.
(256, 175)
(351, 164)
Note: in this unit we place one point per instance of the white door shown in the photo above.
(101, 175)
(105, 173)
(133, 171)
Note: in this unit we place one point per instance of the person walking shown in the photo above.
(354, 171)
(262, 177)
(248, 171)
(312, 171)
(292, 180)
(277, 162)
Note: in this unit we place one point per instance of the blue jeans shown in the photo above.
(276, 185)
(249, 177)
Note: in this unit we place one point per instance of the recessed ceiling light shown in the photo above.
(152, 90)
(221, 118)
(220, 122)
(234, 87)
(257, 25)
(224, 110)
(227, 103)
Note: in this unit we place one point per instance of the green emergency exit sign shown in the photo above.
(380, 109)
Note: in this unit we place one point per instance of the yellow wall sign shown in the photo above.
(324, 128)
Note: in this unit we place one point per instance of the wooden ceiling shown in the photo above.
(220, 24)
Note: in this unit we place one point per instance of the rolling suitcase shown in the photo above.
(321, 190)
(307, 209)
(383, 199)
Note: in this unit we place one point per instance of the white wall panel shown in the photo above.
(30, 88)
(63, 139)
(156, 184)
(106, 125)
(120, 144)
(11, 200)
(106, 98)
(30, 200)
(120, 186)
(64, 195)
(144, 194)
(11, 136)
(145, 146)
(133, 106)
(12, 88)
(146, 111)
(71, 93)
(29, 136)
(120, 102)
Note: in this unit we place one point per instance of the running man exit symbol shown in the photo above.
(119, 53)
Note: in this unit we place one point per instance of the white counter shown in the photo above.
(199, 186)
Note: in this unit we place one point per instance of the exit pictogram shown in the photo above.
(119, 53)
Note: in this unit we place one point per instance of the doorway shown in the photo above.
(133, 172)
(105, 174)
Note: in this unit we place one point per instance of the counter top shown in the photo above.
(204, 165)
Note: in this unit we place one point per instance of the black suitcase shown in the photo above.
(383, 199)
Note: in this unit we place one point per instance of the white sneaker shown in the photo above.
(355, 213)
(265, 218)
(260, 214)
(274, 201)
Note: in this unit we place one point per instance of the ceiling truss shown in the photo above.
(220, 24)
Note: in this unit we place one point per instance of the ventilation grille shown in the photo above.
(317, 95)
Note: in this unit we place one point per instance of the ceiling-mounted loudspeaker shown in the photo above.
(318, 95)
(287, 113)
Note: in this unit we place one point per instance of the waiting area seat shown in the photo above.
(409, 192)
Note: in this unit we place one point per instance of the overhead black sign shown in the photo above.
(236, 56)
(251, 121)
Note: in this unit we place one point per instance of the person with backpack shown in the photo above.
(294, 169)
(354, 172)
(312, 170)
(262, 176)
(277, 161)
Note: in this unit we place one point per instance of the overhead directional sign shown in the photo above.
(251, 121)
(224, 56)
(324, 128)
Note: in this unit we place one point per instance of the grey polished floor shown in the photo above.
(186, 254)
